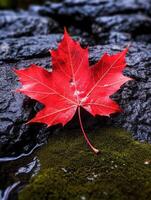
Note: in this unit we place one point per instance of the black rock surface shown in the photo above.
(133, 24)
(13, 49)
(16, 109)
(101, 18)
(134, 97)
(94, 8)
(22, 23)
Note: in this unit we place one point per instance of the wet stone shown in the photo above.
(16, 109)
(101, 18)
(133, 24)
(134, 97)
(94, 8)
(22, 23)
(27, 47)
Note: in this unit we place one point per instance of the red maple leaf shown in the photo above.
(73, 84)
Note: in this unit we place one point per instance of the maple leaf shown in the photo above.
(73, 84)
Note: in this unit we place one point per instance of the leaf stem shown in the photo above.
(96, 151)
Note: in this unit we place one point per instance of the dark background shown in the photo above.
(14, 4)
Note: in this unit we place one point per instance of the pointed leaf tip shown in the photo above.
(66, 34)
(65, 30)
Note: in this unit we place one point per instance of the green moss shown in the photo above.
(69, 170)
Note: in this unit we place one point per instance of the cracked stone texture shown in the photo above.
(134, 97)
(22, 23)
(16, 109)
(95, 8)
(100, 18)
(27, 36)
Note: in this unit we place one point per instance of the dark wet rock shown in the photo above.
(134, 97)
(94, 8)
(135, 100)
(134, 24)
(125, 23)
(22, 23)
(138, 58)
(101, 18)
(13, 111)
(16, 109)
(27, 47)
(118, 38)
(144, 38)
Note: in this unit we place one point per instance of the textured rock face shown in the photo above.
(18, 24)
(133, 24)
(94, 8)
(26, 37)
(134, 97)
(27, 47)
(24, 40)
(16, 109)
(101, 18)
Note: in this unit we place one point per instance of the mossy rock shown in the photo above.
(70, 171)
